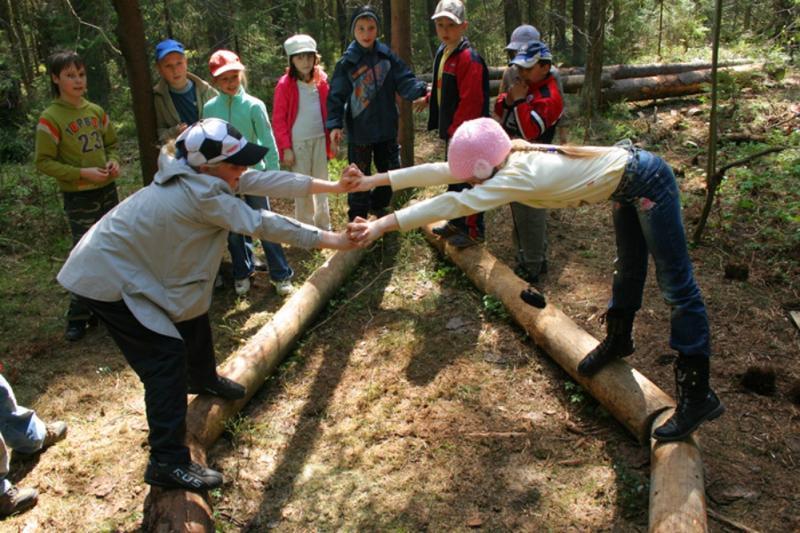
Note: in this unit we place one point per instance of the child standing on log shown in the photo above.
(647, 220)
(247, 114)
(147, 269)
(298, 118)
(76, 144)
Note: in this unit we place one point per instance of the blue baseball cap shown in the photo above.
(167, 46)
(534, 52)
(521, 36)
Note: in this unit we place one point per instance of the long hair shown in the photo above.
(315, 72)
(519, 145)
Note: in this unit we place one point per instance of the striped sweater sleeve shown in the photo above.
(48, 137)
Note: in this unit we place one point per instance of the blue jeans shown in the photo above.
(647, 218)
(20, 430)
(242, 252)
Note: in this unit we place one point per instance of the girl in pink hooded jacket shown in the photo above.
(298, 121)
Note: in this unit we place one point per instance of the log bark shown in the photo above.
(677, 488)
(677, 494)
(693, 82)
(628, 395)
(178, 510)
(401, 44)
(619, 72)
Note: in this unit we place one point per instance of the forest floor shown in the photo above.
(416, 404)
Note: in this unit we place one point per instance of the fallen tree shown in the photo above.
(179, 510)
(641, 82)
(677, 495)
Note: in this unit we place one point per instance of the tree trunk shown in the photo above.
(578, 32)
(18, 42)
(693, 82)
(619, 72)
(660, 27)
(432, 37)
(560, 27)
(388, 23)
(591, 92)
(178, 510)
(401, 44)
(511, 17)
(342, 27)
(219, 29)
(677, 486)
(130, 32)
(534, 16)
(93, 51)
(711, 167)
(168, 21)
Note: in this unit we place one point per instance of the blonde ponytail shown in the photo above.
(519, 145)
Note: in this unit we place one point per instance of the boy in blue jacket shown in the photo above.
(362, 97)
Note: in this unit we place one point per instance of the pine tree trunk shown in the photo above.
(578, 32)
(534, 16)
(511, 17)
(560, 26)
(591, 93)
(401, 44)
(130, 32)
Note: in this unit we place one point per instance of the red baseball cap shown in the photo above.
(223, 61)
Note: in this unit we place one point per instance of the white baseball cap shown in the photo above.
(298, 44)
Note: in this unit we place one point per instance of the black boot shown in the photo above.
(696, 401)
(618, 343)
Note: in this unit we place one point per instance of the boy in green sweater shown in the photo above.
(75, 144)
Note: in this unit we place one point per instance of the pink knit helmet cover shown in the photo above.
(476, 148)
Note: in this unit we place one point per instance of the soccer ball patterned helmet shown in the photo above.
(213, 140)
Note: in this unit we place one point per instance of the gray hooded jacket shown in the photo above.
(159, 250)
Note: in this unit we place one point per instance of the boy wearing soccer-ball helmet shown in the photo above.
(147, 269)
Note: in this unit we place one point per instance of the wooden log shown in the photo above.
(677, 495)
(677, 488)
(619, 72)
(179, 510)
(628, 395)
(692, 82)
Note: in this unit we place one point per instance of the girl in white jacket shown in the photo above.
(647, 220)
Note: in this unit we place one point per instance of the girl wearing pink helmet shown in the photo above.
(647, 220)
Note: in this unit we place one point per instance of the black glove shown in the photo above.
(533, 297)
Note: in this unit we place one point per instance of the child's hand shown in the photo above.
(288, 158)
(420, 104)
(518, 90)
(94, 174)
(113, 168)
(337, 241)
(363, 232)
(336, 138)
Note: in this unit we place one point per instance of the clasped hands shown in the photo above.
(361, 232)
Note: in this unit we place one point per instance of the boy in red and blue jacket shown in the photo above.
(530, 109)
(460, 92)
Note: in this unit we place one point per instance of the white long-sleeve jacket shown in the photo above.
(159, 250)
(538, 179)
